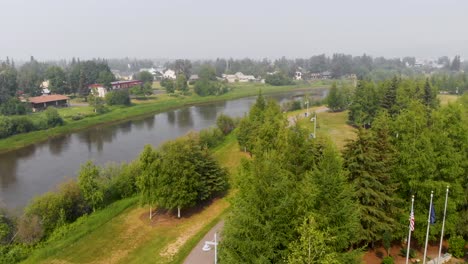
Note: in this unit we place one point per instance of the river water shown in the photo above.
(35, 169)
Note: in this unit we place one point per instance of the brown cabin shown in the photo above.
(41, 102)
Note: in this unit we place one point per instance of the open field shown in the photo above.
(139, 108)
(122, 233)
(445, 99)
(331, 125)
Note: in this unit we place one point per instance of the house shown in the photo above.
(238, 77)
(169, 74)
(43, 101)
(326, 75)
(98, 89)
(321, 75)
(101, 91)
(298, 75)
(193, 78)
(125, 84)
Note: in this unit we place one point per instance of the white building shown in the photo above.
(298, 75)
(239, 77)
(170, 74)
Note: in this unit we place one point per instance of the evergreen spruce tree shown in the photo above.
(369, 173)
(389, 101)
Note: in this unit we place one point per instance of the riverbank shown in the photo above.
(122, 232)
(144, 108)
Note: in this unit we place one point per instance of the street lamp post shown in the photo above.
(307, 103)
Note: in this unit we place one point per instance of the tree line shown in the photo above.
(302, 201)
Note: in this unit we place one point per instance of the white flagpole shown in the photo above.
(428, 225)
(443, 225)
(409, 233)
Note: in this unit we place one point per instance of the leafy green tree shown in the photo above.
(207, 73)
(90, 186)
(430, 95)
(145, 77)
(178, 179)
(169, 85)
(365, 105)
(30, 77)
(13, 106)
(8, 82)
(53, 117)
(147, 180)
(335, 99)
(225, 123)
(97, 103)
(278, 79)
(57, 80)
(105, 78)
(181, 83)
(118, 97)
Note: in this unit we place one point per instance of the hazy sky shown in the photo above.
(53, 29)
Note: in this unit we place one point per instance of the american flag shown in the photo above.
(411, 221)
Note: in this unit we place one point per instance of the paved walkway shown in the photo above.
(198, 256)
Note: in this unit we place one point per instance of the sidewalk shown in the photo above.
(198, 256)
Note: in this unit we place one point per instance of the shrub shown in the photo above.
(53, 117)
(118, 97)
(412, 253)
(21, 124)
(457, 246)
(29, 229)
(77, 117)
(6, 127)
(13, 107)
(278, 79)
(14, 253)
(225, 124)
(211, 137)
(388, 260)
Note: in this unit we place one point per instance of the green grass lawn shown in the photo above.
(140, 108)
(445, 99)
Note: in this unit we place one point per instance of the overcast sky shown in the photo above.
(54, 29)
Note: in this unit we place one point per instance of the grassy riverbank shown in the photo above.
(122, 232)
(140, 108)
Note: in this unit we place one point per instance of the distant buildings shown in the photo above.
(321, 75)
(169, 74)
(238, 77)
(101, 91)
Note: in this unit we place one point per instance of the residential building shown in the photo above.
(169, 74)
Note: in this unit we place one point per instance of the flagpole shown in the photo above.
(428, 225)
(409, 233)
(443, 225)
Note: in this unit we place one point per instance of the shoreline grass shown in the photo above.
(121, 114)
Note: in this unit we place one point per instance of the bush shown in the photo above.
(29, 229)
(225, 124)
(211, 137)
(53, 117)
(118, 97)
(278, 79)
(77, 117)
(21, 124)
(457, 246)
(6, 127)
(412, 253)
(388, 260)
(13, 107)
(205, 87)
(14, 253)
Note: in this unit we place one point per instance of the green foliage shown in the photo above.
(88, 180)
(169, 85)
(14, 253)
(145, 77)
(53, 117)
(335, 99)
(225, 124)
(457, 246)
(365, 104)
(205, 87)
(181, 83)
(118, 97)
(211, 137)
(388, 260)
(57, 80)
(412, 253)
(13, 107)
(369, 160)
(278, 79)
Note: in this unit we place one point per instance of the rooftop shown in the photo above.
(47, 98)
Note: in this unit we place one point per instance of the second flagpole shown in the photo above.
(428, 225)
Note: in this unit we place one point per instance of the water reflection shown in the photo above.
(209, 112)
(171, 117)
(9, 164)
(100, 135)
(184, 117)
(58, 144)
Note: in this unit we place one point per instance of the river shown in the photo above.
(35, 169)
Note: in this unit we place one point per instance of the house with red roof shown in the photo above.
(41, 102)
